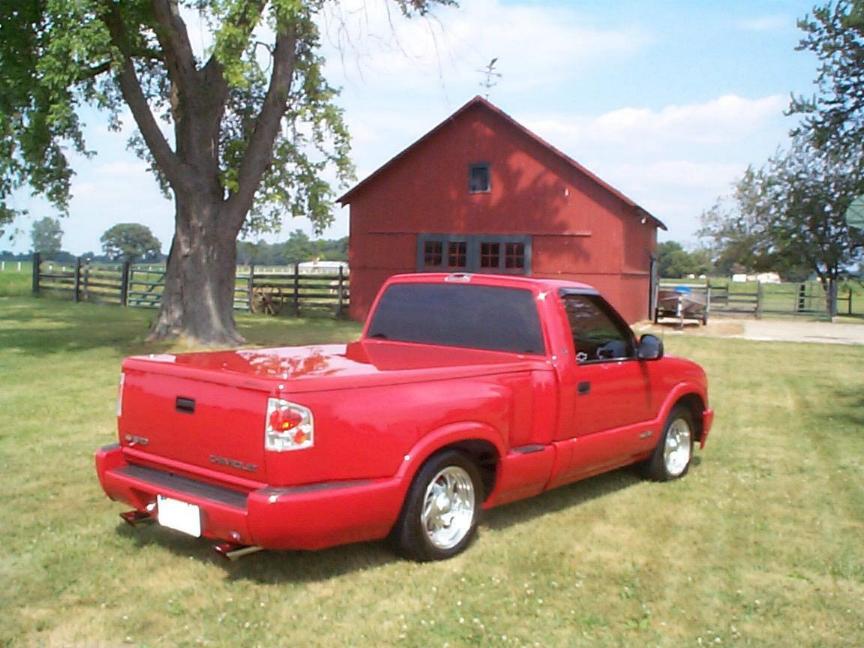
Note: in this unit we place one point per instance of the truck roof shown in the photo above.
(502, 280)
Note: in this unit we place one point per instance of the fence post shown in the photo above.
(85, 280)
(77, 286)
(832, 298)
(707, 298)
(250, 285)
(759, 296)
(37, 261)
(341, 283)
(297, 289)
(124, 283)
(849, 288)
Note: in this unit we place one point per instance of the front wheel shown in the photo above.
(671, 458)
(440, 513)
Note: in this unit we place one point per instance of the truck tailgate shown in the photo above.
(202, 423)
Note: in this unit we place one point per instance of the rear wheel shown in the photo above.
(439, 517)
(671, 458)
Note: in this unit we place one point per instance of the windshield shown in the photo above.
(479, 317)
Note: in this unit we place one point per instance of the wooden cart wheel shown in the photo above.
(266, 300)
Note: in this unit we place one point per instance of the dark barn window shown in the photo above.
(432, 253)
(514, 256)
(490, 255)
(457, 254)
(478, 178)
(504, 253)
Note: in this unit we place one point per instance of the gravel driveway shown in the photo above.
(768, 330)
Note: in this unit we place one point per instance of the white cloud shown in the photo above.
(674, 160)
(718, 121)
(450, 48)
(678, 174)
(676, 191)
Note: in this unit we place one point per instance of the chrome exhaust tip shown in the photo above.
(136, 518)
(231, 551)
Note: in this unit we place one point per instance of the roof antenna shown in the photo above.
(491, 76)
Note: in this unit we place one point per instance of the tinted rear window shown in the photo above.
(480, 317)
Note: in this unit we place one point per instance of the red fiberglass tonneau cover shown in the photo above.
(334, 366)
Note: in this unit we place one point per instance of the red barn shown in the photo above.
(482, 193)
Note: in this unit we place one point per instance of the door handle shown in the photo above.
(186, 405)
(583, 387)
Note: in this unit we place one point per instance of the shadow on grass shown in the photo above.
(561, 498)
(42, 326)
(848, 405)
(273, 567)
(267, 567)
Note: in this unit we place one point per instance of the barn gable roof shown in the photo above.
(480, 102)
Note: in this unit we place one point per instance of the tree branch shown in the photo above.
(259, 152)
(94, 71)
(130, 87)
(245, 20)
(174, 39)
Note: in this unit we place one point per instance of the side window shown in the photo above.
(597, 334)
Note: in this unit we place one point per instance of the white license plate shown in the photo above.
(178, 515)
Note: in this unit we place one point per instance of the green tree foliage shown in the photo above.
(674, 262)
(834, 116)
(297, 249)
(789, 216)
(255, 125)
(130, 242)
(47, 236)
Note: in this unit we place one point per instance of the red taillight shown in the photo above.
(283, 420)
(289, 426)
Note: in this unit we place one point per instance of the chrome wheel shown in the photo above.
(447, 515)
(678, 447)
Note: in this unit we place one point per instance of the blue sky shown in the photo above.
(667, 101)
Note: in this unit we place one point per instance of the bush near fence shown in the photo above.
(141, 285)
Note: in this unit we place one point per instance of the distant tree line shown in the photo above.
(297, 249)
(674, 262)
(136, 243)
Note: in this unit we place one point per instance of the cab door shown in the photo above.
(608, 387)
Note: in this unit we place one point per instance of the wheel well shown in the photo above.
(485, 456)
(694, 403)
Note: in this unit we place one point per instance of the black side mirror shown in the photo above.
(650, 347)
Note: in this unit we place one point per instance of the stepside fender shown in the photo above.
(440, 438)
(679, 391)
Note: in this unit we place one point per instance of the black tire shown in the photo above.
(414, 539)
(663, 466)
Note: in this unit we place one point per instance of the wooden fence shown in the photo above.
(272, 292)
(808, 299)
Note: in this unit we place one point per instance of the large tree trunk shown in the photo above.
(198, 298)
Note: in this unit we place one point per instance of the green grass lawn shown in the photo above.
(761, 544)
(15, 283)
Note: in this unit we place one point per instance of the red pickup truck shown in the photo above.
(464, 392)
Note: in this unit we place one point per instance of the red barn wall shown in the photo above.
(580, 230)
